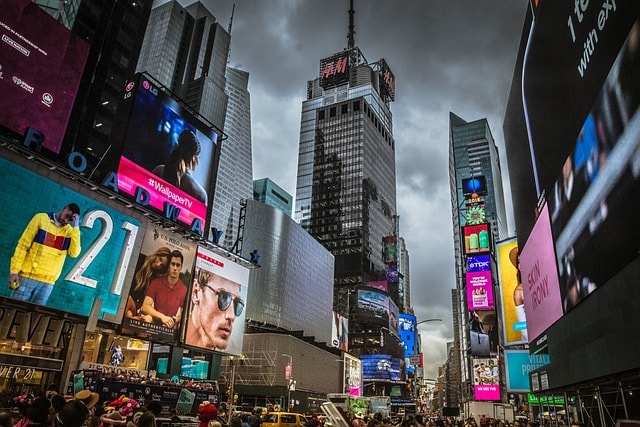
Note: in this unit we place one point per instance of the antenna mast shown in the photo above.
(233, 9)
(351, 37)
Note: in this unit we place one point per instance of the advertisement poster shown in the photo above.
(63, 273)
(538, 269)
(160, 286)
(518, 365)
(476, 239)
(217, 304)
(479, 290)
(514, 319)
(486, 379)
(41, 63)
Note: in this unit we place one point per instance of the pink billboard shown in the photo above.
(486, 379)
(479, 290)
(542, 300)
(41, 63)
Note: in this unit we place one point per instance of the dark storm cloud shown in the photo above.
(447, 55)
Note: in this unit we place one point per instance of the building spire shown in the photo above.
(351, 37)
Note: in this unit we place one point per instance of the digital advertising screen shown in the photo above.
(334, 70)
(479, 290)
(168, 156)
(407, 328)
(217, 304)
(373, 307)
(380, 367)
(477, 239)
(352, 375)
(158, 293)
(380, 284)
(77, 270)
(518, 364)
(340, 332)
(514, 319)
(41, 64)
(390, 246)
(393, 318)
(542, 301)
(476, 185)
(486, 379)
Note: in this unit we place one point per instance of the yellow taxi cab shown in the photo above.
(283, 419)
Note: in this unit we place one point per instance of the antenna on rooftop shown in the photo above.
(233, 9)
(351, 37)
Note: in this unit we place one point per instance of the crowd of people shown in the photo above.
(53, 409)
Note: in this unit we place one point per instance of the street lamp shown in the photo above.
(287, 376)
(428, 320)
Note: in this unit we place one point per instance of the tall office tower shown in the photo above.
(270, 193)
(235, 170)
(186, 50)
(115, 31)
(346, 187)
(404, 279)
(477, 200)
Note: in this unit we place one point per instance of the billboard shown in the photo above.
(486, 379)
(380, 284)
(340, 332)
(158, 293)
(390, 249)
(380, 367)
(479, 290)
(542, 301)
(352, 376)
(168, 156)
(84, 282)
(388, 81)
(41, 63)
(483, 333)
(514, 319)
(476, 185)
(217, 304)
(407, 329)
(518, 364)
(334, 70)
(477, 239)
(373, 307)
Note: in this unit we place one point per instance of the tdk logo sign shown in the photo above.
(478, 263)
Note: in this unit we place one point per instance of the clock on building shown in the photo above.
(475, 215)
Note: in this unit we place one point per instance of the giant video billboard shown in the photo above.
(41, 63)
(373, 307)
(54, 269)
(486, 379)
(514, 318)
(380, 367)
(168, 156)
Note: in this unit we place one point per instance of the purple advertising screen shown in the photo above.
(380, 284)
(486, 379)
(539, 272)
(380, 367)
(478, 263)
(41, 63)
(479, 290)
(167, 157)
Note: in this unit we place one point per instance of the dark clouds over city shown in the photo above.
(447, 56)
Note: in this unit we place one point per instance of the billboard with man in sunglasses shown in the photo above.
(218, 295)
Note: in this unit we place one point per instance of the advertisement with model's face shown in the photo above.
(217, 304)
(62, 250)
(158, 293)
(486, 379)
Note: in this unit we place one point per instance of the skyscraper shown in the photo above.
(346, 187)
(270, 193)
(474, 173)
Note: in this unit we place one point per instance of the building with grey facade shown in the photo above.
(267, 191)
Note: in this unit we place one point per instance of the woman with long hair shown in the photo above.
(155, 265)
(184, 159)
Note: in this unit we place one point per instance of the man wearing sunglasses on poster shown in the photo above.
(215, 304)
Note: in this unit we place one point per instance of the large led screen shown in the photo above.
(217, 304)
(542, 300)
(514, 319)
(486, 379)
(477, 239)
(373, 307)
(352, 377)
(167, 157)
(479, 290)
(380, 367)
(156, 302)
(518, 364)
(79, 281)
(41, 63)
(340, 332)
(407, 328)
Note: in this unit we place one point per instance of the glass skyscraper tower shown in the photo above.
(346, 186)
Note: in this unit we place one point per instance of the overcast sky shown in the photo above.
(447, 56)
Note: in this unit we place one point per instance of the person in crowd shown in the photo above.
(78, 411)
(40, 253)
(184, 159)
(235, 422)
(166, 295)
(147, 419)
(6, 420)
(215, 304)
(155, 407)
(155, 265)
